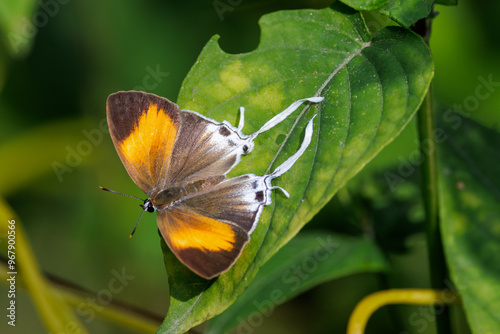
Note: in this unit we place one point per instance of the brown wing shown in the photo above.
(237, 201)
(205, 148)
(207, 231)
(206, 246)
(161, 146)
(143, 128)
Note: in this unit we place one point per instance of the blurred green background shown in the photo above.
(59, 60)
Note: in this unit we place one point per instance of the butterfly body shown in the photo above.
(175, 195)
(180, 160)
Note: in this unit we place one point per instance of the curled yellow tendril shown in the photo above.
(371, 303)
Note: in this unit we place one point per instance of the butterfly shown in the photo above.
(180, 159)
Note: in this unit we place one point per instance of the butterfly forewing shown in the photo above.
(143, 128)
(205, 148)
(161, 145)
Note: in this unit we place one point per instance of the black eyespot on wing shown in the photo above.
(224, 131)
(245, 148)
(259, 196)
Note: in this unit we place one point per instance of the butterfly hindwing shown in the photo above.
(205, 245)
(208, 229)
(239, 200)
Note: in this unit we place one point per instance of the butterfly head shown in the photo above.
(148, 205)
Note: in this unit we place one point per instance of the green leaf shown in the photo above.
(19, 25)
(366, 4)
(306, 261)
(470, 216)
(407, 12)
(447, 2)
(372, 88)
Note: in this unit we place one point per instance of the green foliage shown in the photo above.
(447, 2)
(19, 26)
(366, 4)
(372, 87)
(404, 12)
(470, 214)
(306, 261)
(40, 145)
(359, 179)
(407, 12)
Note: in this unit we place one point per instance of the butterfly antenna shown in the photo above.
(119, 193)
(133, 231)
(140, 199)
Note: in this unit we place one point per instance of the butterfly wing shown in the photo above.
(168, 152)
(207, 231)
(205, 148)
(205, 245)
(143, 128)
(161, 146)
(238, 201)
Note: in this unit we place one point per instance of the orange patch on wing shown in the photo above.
(149, 146)
(190, 230)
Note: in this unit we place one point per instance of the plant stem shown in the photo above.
(115, 312)
(429, 172)
(55, 314)
(371, 303)
(437, 263)
(118, 316)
